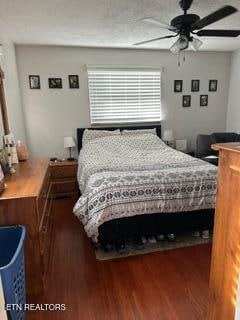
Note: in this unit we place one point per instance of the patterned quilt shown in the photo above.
(126, 175)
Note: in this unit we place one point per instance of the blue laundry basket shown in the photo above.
(12, 269)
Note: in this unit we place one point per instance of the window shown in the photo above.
(124, 95)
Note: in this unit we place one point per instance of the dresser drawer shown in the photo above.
(45, 232)
(43, 198)
(64, 187)
(47, 244)
(44, 224)
(58, 172)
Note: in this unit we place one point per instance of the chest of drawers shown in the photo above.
(27, 201)
(224, 291)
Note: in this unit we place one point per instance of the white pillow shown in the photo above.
(90, 135)
(142, 131)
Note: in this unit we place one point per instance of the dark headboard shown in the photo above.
(81, 130)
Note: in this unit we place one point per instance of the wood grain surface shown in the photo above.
(225, 267)
(28, 179)
(169, 285)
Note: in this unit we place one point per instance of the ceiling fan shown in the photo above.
(187, 25)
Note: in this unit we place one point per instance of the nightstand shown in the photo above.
(63, 178)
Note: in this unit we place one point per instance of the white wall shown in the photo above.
(233, 115)
(11, 85)
(53, 114)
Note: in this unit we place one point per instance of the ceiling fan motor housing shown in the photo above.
(184, 21)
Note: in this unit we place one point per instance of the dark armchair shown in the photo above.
(204, 142)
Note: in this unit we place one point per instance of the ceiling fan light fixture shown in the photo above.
(196, 44)
(182, 42)
(174, 48)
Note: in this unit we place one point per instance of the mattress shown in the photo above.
(126, 175)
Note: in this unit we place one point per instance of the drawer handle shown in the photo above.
(44, 229)
(44, 194)
(48, 214)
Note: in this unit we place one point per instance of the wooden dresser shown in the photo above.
(225, 267)
(27, 201)
(63, 176)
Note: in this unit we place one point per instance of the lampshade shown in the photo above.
(180, 44)
(196, 44)
(168, 135)
(174, 48)
(69, 142)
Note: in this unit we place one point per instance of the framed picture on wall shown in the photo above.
(34, 82)
(195, 85)
(73, 81)
(55, 83)
(178, 85)
(186, 102)
(203, 100)
(213, 85)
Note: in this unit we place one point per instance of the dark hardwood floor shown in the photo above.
(166, 285)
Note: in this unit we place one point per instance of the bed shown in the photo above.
(134, 185)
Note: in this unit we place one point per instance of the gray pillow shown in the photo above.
(141, 131)
(90, 135)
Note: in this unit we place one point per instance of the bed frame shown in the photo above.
(150, 224)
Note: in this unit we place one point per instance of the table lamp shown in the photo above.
(168, 137)
(69, 143)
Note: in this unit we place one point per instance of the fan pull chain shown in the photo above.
(184, 56)
(179, 58)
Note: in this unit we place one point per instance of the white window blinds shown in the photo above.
(124, 96)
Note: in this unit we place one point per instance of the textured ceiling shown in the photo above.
(105, 23)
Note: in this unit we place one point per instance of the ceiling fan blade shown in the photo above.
(158, 23)
(156, 39)
(218, 33)
(214, 17)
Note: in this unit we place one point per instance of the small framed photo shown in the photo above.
(203, 100)
(213, 85)
(178, 85)
(34, 82)
(186, 102)
(195, 85)
(73, 81)
(55, 83)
